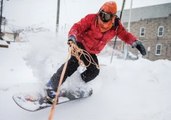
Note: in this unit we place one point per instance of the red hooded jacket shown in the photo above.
(88, 33)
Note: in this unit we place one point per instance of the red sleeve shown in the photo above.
(124, 35)
(81, 26)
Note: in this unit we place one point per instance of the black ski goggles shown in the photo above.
(105, 17)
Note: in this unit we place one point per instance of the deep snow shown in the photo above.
(124, 90)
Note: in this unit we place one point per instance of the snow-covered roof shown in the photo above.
(156, 11)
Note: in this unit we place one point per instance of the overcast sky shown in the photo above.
(71, 11)
(76, 9)
(141, 3)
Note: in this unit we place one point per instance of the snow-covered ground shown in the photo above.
(124, 90)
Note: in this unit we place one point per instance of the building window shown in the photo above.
(158, 49)
(142, 32)
(160, 31)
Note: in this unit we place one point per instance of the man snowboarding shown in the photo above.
(92, 33)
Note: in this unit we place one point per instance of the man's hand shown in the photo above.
(139, 46)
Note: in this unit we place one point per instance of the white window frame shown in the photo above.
(157, 49)
(158, 31)
(141, 31)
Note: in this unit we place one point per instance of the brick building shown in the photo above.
(152, 25)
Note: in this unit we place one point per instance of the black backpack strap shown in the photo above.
(116, 23)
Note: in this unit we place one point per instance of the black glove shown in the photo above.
(139, 46)
(71, 39)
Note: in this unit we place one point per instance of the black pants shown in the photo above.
(89, 74)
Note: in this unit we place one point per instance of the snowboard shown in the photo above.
(35, 102)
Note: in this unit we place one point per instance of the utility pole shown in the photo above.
(130, 14)
(57, 16)
(114, 44)
(1, 19)
(129, 30)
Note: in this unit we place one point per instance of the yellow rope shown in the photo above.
(51, 114)
(78, 52)
(74, 50)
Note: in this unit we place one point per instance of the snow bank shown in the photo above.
(124, 90)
